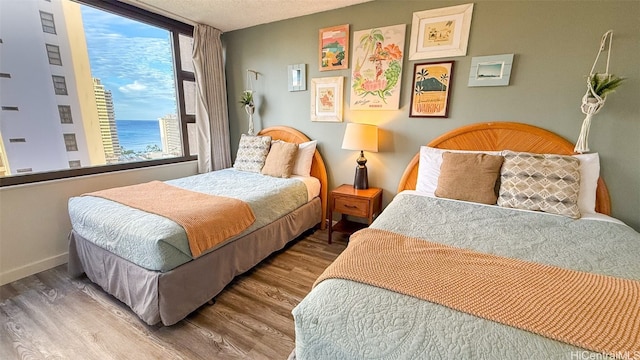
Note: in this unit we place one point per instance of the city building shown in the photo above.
(170, 135)
(52, 66)
(107, 120)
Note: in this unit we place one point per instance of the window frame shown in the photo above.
(50, 27)
(60, 85)
(55, 51)
(175, 28)
(66, 115)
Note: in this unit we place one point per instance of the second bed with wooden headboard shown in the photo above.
(360, 308)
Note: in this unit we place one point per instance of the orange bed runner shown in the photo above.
(595, 312)
(208, 220)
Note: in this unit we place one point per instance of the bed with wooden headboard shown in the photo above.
(359, 307)
(179, 283)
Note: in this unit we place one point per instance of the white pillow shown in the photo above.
(304, 158)
(589, 174)
(429, 167)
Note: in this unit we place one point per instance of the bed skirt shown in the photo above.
(170, 296)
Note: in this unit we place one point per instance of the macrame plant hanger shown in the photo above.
(591, 102)
(250, 108)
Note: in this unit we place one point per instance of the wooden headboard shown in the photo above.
(503, 136)
(318, 170)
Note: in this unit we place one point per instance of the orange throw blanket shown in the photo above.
(208, 220)
(595, 312)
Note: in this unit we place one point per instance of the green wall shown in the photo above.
(554, 42)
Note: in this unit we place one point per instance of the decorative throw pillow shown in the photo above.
(280, 160)
(429, 167)
(540, 182)
(252, 152)
(304, 158)
(469, 177)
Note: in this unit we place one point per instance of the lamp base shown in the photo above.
(361, 180)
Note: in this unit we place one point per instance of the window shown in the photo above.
(48, 25)
(70, 142)
(10, 108)
(60, 85)
(141, 73)
(65, 114)
(53, 52)
(5, 75)
(17, 140)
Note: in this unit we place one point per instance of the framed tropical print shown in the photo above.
(334, 48)
(431, 89)
(377, 68)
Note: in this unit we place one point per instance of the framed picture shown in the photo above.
(327, 98)
(297, 77)
(440, 32)
(490, 70)
(333, 48)
(431, 89)
(376, 72)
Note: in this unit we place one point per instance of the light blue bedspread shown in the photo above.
(157, 243)
(341, 319)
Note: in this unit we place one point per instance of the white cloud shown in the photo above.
(129, 88)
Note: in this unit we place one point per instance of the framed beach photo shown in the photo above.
(431, 89)
(333, 48)
(490, 70)
(440, 32)
(327, 99)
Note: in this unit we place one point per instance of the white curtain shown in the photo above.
(212, 118)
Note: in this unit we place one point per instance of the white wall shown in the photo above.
(34, 221)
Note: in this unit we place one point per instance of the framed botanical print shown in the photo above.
(333, 48)
(327, 98)
(431, 89)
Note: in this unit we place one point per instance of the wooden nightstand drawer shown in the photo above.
(363, 203)
(352, 206)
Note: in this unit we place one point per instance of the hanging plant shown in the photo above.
(247, 98)
(247, 102)
(603, 84)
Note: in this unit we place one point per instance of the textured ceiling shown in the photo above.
(228, 15)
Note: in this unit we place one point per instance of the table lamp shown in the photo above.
(361, 137)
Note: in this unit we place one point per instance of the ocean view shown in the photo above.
(136, 135)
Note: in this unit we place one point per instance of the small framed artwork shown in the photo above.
(431, 89)
(297, 77)
(490, 70)
(441, 32)
(333, 48)
(327, 99)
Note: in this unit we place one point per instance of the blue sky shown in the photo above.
(134, 61)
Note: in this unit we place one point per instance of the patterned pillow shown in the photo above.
(540, 182)
(252, 152)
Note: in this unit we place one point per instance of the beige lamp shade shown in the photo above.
(360, 137)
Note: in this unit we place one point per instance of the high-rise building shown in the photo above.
(48, 119)
(170, 135)
(107, 119)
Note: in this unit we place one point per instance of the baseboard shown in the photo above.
(33, 268)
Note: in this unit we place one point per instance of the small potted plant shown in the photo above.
(603, 84)
(246, 100)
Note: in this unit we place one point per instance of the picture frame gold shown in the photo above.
(327, 99)
(440, 32)
(333, 48)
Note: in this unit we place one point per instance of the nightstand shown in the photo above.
(359, 203)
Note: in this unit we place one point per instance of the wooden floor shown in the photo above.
(52, 316)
